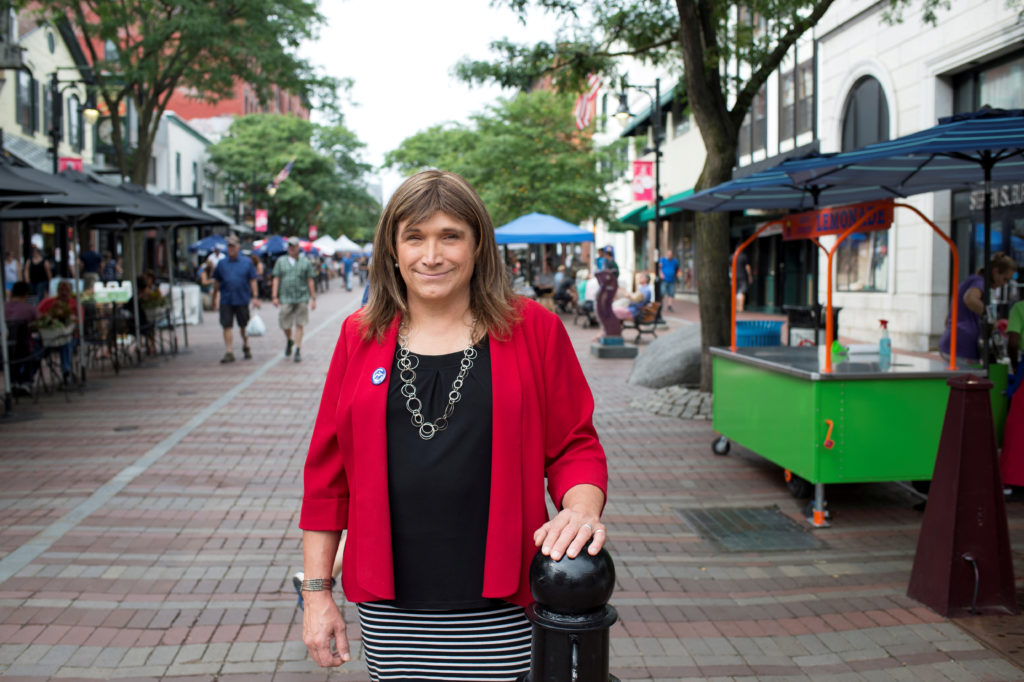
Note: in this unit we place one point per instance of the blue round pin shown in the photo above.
(378, 376)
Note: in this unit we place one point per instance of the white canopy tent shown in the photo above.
(346, 245)
(326, 244)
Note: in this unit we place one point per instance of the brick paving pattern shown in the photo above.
(148, 531)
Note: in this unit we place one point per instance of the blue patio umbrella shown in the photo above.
(539, 228)
(207, 244)
(775, 188)
(985, 146)
(275, 244)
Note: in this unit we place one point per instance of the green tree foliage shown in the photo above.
(522, 155)
(699, 37)
(326, 184)
(204, 47)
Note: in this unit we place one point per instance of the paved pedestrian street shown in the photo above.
(148, 531)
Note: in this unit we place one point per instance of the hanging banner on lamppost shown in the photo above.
(643, 181)
(260, 224)
(312, 231)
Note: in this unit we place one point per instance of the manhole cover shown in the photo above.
(126, 428)
(749, 529)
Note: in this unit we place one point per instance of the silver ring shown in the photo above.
(589, 526)
(599, 530)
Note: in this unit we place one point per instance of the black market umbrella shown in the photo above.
(985, 146)
(65, 199)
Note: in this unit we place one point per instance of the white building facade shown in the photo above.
(879, 80)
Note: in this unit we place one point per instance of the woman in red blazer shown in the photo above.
(448, 407)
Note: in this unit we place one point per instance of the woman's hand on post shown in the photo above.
(578, 522)
(322, 623)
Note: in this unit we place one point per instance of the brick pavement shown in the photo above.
(148, 531)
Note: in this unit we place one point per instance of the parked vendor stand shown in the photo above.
(828, 417)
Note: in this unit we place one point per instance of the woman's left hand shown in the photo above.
(577, 523)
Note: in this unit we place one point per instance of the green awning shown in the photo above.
(642, 214)
(633, 217)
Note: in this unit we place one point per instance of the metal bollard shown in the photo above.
(571, 618)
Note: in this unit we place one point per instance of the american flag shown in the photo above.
(586, 103)
(282, 175)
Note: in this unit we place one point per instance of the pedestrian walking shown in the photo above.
(235, 280)
(89, 264)
(443, 503)
(669, 267)
(348, 262)
(294, 291)
(38, 274)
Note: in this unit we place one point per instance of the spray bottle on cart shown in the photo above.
(885, 346)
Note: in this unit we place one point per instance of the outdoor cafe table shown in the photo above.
(863, 421)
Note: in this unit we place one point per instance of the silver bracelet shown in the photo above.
(317, 584)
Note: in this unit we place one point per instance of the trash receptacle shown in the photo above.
(758, 333)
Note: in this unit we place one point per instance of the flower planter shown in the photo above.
(56, 336)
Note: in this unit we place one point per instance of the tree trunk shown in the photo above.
(713, 289)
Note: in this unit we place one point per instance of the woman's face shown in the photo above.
(436, 259)
(1001, 278)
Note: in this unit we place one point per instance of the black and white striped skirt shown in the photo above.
(471, 644)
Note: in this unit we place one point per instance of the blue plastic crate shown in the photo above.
(758, 333)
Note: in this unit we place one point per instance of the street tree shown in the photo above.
(522, 154)
(325, 187)
(141, 51)
(701, 37)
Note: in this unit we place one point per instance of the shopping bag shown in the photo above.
(256, 326)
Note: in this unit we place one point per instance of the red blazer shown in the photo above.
(543, 426)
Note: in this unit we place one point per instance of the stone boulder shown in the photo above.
(670, 360)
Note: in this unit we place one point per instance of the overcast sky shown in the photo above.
(400, 54)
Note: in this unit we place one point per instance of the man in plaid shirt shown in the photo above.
(293, 289)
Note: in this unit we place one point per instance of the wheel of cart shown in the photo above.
(798, 487)
(720, 446)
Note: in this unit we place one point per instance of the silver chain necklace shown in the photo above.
(407, 364)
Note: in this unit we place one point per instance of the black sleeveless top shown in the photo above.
(37, 272)
(439, 489)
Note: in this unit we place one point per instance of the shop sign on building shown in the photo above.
(1003, 195)
(643, 181)
(837, 219)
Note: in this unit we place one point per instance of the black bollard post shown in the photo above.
(571, 618)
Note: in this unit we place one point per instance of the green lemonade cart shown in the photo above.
(837, 418)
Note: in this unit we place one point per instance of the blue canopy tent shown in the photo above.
(539, 228)
(207, 244)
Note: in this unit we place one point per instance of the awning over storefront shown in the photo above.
(633, 217)
(642, 214)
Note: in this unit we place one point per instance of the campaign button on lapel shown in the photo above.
(378, 376)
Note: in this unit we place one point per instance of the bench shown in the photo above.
(645, 322)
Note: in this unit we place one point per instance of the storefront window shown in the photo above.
(796, 101)
(1003, 86)
(863, 258)
(999, 85)
(862, 262)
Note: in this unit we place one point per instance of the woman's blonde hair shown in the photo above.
(1000, 262)
(418, 199)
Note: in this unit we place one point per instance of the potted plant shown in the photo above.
(154, 303)
(56, 325)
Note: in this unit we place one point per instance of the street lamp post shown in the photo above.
(88, 111)
(657, 137)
